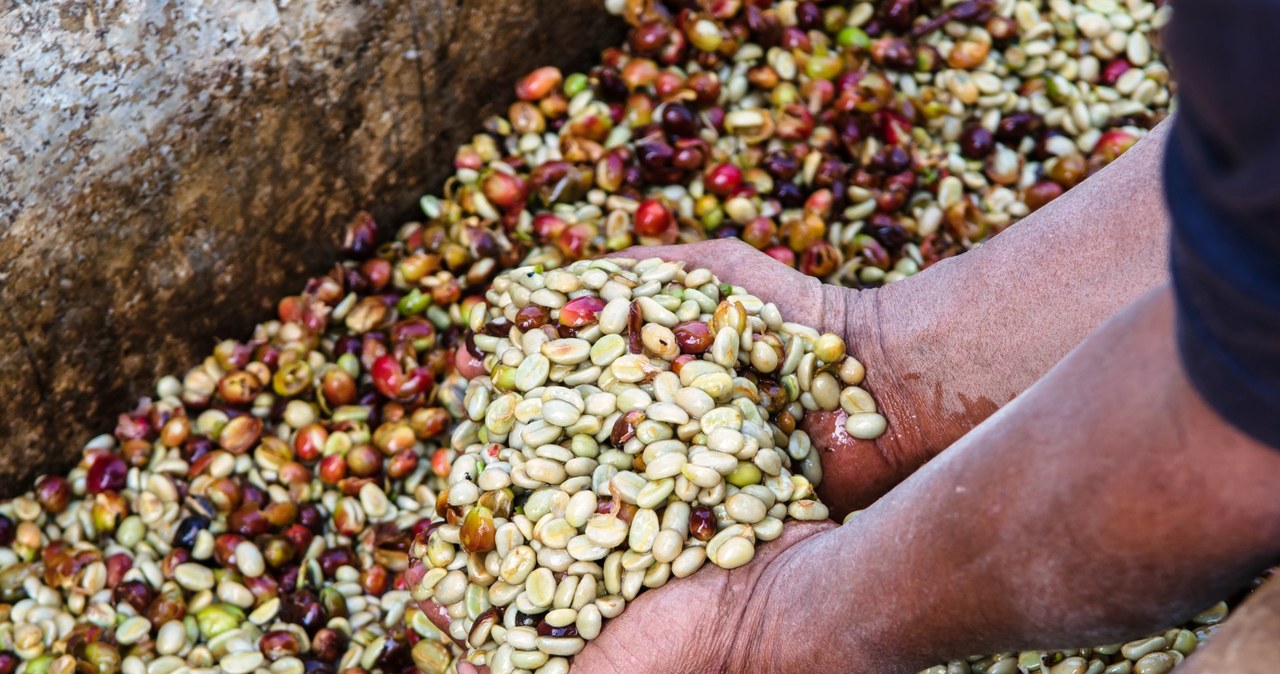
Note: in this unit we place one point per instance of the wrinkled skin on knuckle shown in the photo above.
(835, 311)
(439, 615)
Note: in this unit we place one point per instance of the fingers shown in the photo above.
(731, 260)
(855, 472)
(798, 296)
(413, 575)
(437, 614)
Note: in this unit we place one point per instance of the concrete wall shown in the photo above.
(169, 169)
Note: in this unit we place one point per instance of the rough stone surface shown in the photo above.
(169, 169)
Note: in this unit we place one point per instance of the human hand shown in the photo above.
(711, 621)
(856, 472)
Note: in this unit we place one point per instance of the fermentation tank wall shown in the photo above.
(169, 170)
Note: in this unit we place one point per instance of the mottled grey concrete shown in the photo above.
(169, 169)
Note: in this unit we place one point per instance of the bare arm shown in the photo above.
(1103, 503)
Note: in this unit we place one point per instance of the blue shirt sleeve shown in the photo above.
(1222, 185)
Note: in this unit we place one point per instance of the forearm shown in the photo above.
(1103, 503)
(948, 347)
